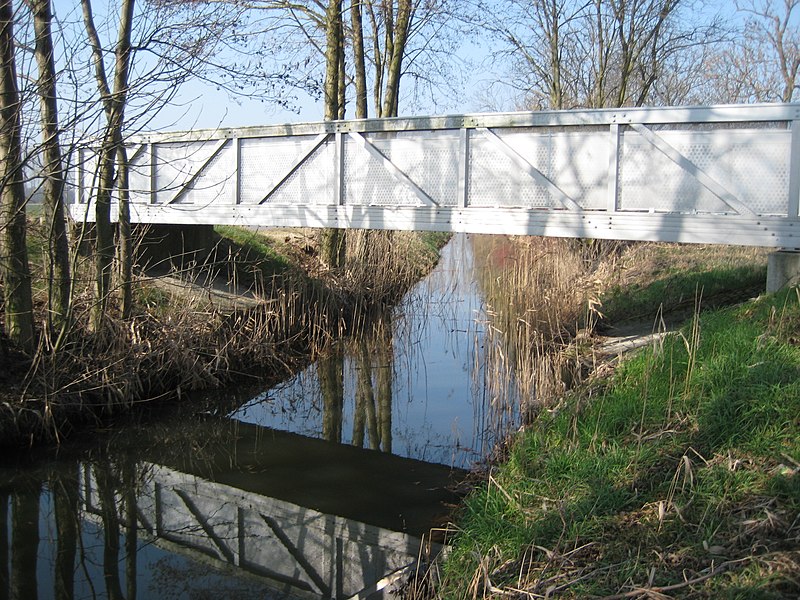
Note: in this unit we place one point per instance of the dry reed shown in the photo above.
(541, 295)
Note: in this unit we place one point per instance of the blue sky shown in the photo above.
(202, 105)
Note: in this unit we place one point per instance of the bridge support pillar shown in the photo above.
(783, 269)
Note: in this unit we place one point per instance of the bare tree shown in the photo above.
(114, 106)
(757, 61)
(59, 278)
(593, 53)
(14, 268)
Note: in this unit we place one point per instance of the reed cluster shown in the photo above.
(542, 297)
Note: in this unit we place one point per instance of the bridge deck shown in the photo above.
(719, 174)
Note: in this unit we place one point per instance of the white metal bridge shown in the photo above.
(717, 174)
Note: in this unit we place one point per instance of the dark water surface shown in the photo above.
(320, 488)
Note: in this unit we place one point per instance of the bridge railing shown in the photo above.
(726, 174)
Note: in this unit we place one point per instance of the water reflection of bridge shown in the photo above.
(293, 549)
(238, 520)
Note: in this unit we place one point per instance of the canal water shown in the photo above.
(324, 487)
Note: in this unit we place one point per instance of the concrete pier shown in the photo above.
(783, 269)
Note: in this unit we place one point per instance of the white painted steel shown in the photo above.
(719, 174)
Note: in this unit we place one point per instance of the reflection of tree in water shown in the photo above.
(3, 546)
(106, 488)
(24, 539)
(372, 355)
(64, 489)
(330, 370)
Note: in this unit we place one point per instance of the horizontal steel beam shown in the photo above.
(775, 232)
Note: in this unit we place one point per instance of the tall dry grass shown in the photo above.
(542, 295)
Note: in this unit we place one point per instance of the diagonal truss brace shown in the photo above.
(392, 168)
(185, 187)
(226, 552)
(708, 182)
(526, 166)
(304, 156)
(297, 554)
(140, 148)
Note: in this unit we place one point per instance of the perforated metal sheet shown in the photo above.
(753, 165)
(312, 183)
(139, 173)
(429, 158)
(574, 163)
(264, 162)
(177, 165)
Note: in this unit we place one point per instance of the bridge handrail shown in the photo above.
(730, 113)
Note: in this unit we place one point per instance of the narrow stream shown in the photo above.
(320, 488)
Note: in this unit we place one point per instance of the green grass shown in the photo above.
(674, 291)
(671, 277)
(254, 248)
(686, 459)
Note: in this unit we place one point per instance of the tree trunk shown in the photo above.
(14, 268)
(359, 59)
(114, 106)
(59, 279)
(333, 51)
(125, 241)
(332, 247)
(402, 25)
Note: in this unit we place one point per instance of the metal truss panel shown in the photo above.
(496, 179)
(371, 177)
(194, 173)
(139, 171)
(429, 158)
(264, 162)
(575, 161)
(312, 182)
(754, 163)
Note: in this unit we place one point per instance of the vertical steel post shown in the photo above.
(153, 171)
(237, 178)
(463, 167)
(794, 171)
(81, 177)
(613, 169)
(338, 169)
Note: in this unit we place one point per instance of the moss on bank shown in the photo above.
(679, 476)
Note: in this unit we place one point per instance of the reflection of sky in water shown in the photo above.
(437, 406)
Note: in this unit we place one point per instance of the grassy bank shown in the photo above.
(649, 277)
(676, 478)
(181, 339)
